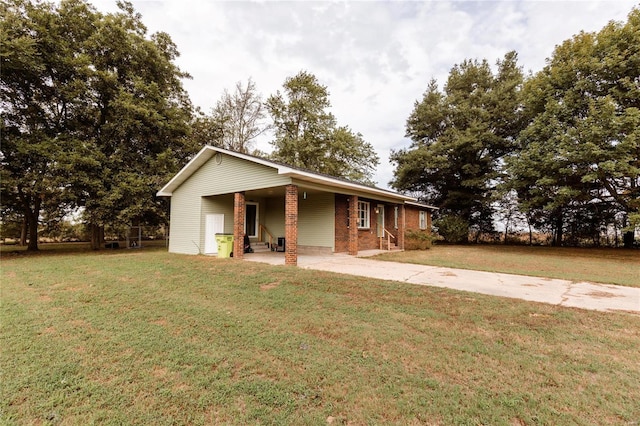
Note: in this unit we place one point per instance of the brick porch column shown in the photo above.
(353, 225)
(238, 224)
(291, 225)
(401, 226)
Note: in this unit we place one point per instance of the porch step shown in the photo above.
(260, 247)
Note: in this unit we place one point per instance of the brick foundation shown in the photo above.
(291, 225)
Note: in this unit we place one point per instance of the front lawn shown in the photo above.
(147, 337)
(610, 266)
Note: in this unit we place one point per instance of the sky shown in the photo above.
(375, 57)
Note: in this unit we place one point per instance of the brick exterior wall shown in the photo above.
(412, 214)
(291, 225)
(367, 239)
(239, 207)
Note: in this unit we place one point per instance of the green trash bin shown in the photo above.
(225, 245)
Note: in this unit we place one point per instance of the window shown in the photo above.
(423, 220)
(395, 217)
(363, 214)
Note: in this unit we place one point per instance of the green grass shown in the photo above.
(610, 266)
(75, 247)
(146, 337)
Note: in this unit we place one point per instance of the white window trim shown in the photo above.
(423, 220)
(364, 222)
(396, 213)
(380, 223)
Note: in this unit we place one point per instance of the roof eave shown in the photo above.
(337, 183)
(426, 206)
(208, 151)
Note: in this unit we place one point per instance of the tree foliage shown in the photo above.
(566, 144)
(459, 138)
(95, 112)
(240, 116)
(307, 135)
(577, 166)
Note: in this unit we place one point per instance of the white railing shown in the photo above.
(389, 236)
(261, 231)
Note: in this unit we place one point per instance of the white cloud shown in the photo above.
(376, 58)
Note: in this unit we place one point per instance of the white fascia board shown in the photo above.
(200, 158)
(208, 151)
(417, 204)
(337, 183)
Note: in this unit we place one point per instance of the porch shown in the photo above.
(306, 260)
(301, 220)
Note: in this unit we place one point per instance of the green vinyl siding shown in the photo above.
(316, 219)
(274, 216)
(233, 175)
(184, 231)
(220, 204)
(226, 176)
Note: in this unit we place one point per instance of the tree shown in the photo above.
(578, 163)
(459, 139)
(240, 117)
(95, 112)
(42, 84)
(205, 130)
(307, 136)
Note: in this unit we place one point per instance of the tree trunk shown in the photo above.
(506, 231)
(24, 231)
(530, 230)
(31, 209)
(557, 241)
(627, 239)
(97, 236)
(32, 225)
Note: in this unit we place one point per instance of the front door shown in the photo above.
(214, 224)
(251, 219)
(380, 210)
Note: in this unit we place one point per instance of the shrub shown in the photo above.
(417, 240)
(453, 229)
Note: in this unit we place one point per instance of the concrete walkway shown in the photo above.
(585, 295)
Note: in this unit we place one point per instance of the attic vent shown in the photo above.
(218, 158)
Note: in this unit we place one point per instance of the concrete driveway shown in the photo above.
(585, 295)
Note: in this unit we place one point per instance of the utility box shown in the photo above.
(225, 245)
(281, 244)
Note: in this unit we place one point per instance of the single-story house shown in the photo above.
(222, 191)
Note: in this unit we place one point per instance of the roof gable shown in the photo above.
(298, 174)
